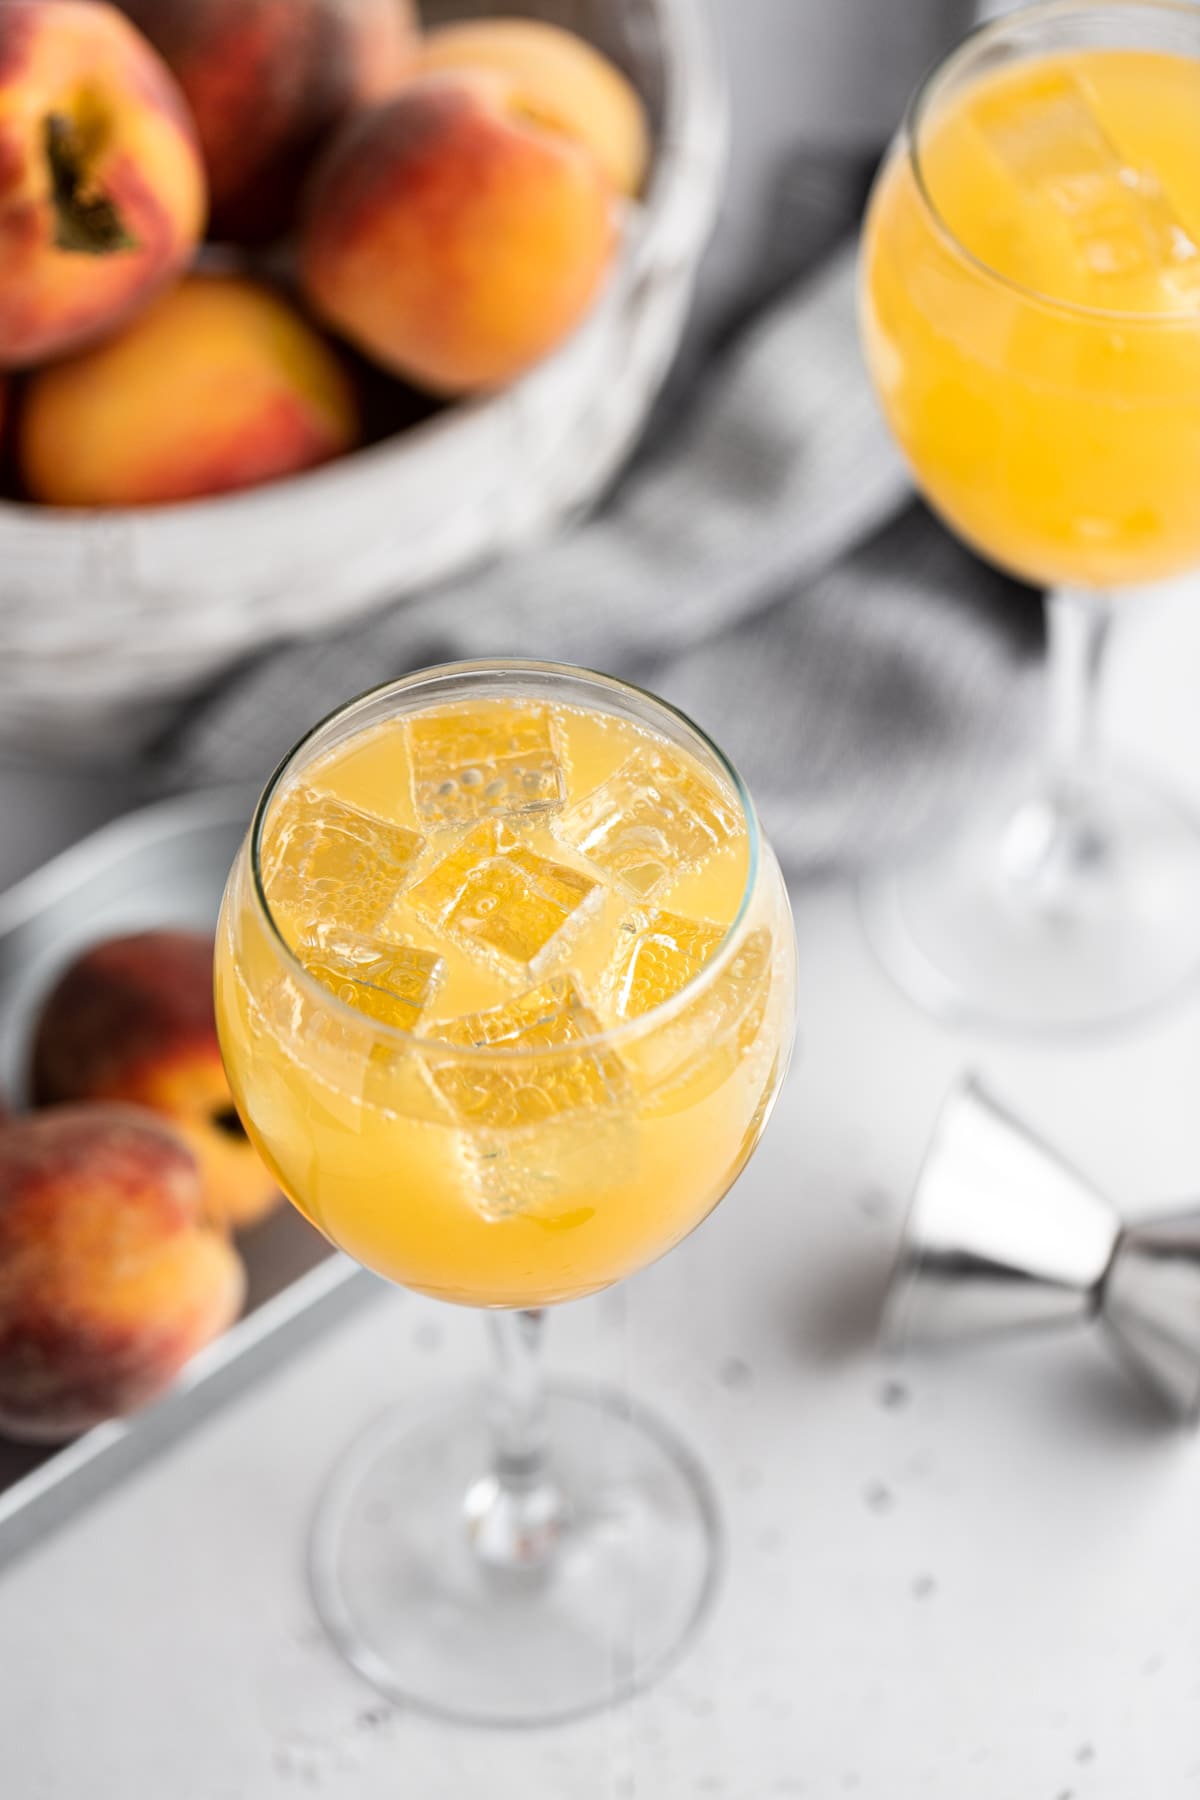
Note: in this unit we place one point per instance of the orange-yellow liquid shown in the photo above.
(1051, 415)
(542, 1174)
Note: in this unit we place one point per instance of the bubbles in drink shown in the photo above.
(651, 821)
(543, 1131)
(484, 761)
(697, 1050)
(389, 981)
(656, 955)
(524, 1091)
(327, 859)
(493, 893)
(1119, 217)
(555, 1173)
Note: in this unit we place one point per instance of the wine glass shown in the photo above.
(1030, 306)
(505, 987)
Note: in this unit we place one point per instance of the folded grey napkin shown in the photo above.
(766, 568)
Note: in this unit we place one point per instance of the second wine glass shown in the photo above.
(1031, 320)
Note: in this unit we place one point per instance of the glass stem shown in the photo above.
(1078, 628)
(517, 1512)
(518, 1392)
(1056, 840)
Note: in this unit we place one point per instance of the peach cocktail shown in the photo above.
(505, 990)
(1031, 319)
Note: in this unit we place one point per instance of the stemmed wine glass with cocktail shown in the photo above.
(505, 979)
(1031, 319)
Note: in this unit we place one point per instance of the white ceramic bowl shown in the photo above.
(107, 618)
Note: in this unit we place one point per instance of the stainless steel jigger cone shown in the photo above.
(1003, 1235)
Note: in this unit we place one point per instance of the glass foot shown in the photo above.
(1048, 918)
(404, 1585)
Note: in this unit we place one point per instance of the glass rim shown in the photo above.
(926, 91)
(627, 1029)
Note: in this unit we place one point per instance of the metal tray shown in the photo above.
(161, 866)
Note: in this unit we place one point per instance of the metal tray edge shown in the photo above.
(52, 1494)
(44, 886)
(56, 1490)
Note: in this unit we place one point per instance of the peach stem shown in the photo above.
(85, 220)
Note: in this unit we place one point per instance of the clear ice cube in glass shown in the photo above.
(486, 761)
(388, 981)
(547, 1132)
(700, 1047)
(1119, 217)
(656, 954)
(330, 860)
(493, 893)
(653, 819)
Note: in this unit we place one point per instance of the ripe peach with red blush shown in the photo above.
(112, 1277)
(562, 80)
(267, 80)
(219, 385)
(453, 236)
(102, 190)
(132, 1020)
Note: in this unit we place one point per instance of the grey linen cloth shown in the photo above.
(763, 566)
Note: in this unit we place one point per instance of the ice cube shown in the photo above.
(396, 1079)
(650, 821)
(388, 981)
(556, 1173)
(545, 1135)
(657, 953)
(334, 1051)
(504, 1092)
(317, 1037)
(486, 761)
(695, 1052)
(1119, 217)
(328, 860)
(494, 893)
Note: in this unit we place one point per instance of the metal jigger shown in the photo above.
(1003, 1235)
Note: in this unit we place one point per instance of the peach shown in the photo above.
(563, 81)
(267, 80)
(452, 237)
(220, 385)
(102, 194)
(132, 1019)
(112, 1278)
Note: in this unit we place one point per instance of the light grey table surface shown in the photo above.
(980, 1587)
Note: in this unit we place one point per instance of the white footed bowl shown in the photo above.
(109, 617)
